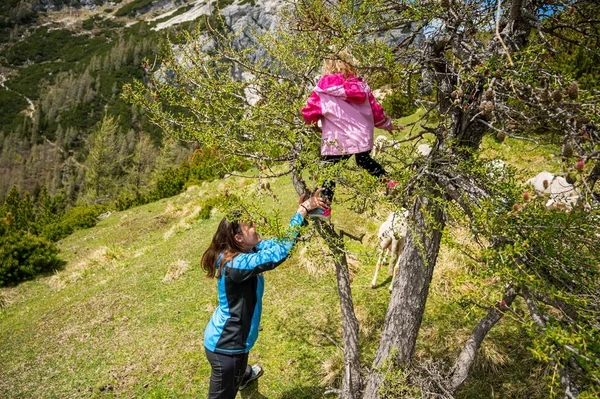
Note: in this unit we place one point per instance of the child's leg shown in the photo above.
(329, 186)
(365, 161)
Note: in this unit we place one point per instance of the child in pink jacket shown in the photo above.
(348, 113)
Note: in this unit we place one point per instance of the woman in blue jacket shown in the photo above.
(237, 257)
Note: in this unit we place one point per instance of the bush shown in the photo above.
(397, 105)
(80, 217)
(170, 183)
(23, 256)
(131, 8)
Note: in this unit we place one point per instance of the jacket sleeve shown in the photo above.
(381, 119)
(266, 244)
(312, 112)
(273, 253)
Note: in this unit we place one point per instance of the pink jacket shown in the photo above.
(348, 112)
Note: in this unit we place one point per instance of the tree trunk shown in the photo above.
(410, 291)
(352, 384)
(461, 368)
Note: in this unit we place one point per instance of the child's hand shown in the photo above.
(398, 128)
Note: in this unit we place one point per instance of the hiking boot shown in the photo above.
(318, 213)
(257, 371)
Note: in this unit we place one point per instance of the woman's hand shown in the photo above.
(313, 202)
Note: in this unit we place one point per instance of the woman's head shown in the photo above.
(231, 238)
(340, 63)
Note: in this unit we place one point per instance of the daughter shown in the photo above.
(348, 112)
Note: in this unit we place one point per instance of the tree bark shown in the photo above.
(463, 363)
(409, 295)
(352, 383)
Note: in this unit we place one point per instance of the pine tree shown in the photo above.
(143, 161)
(101, 161)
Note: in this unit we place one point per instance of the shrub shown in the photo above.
(397, 105)
(88, 24)
(131, 8)
(23, 256)
(80, 217)
(128, 199)
(170, 183)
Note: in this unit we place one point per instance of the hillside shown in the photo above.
(62, 68)
(125, 316)
(125, 139)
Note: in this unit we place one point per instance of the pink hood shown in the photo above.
(348, 113)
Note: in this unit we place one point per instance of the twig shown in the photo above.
(512, 64)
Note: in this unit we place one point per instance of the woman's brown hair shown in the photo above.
(223, 242)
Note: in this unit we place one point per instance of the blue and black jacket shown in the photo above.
(233, 327)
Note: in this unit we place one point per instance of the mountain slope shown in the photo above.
(125, 317)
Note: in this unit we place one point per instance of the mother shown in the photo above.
(237, 257)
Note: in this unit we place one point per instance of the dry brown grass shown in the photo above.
(102, 258)
(490, 358)
(332, 370)
(311, 259)
(181, 226)
(176, 270)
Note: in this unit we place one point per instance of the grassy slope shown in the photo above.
(108, 325)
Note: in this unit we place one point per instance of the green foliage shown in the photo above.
(50, 45)
(88, 24)
(558, 260)
(80, 217)
(74, 94)
(98, 21)
(102, 161)
(398, 105)
(18, 212)
(45, 216)
(203, 165)
(11, 104)
(211, 203)
(15, 12)
(130, 9)
(397, 384)
(23, 256)
(170, 183)
(221, 4)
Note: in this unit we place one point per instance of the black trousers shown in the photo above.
(363, 160)
(228, 373)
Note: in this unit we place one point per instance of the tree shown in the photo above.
(486, 68)
(144, 158)
(101, 161)
(18, 211)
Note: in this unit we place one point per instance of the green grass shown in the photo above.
(126, 315)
